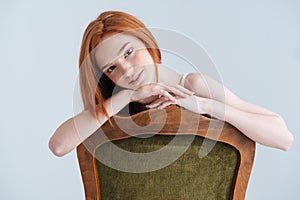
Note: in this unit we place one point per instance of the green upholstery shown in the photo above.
(189, 177)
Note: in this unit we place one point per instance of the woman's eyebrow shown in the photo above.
(121, 49)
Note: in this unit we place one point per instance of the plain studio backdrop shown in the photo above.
(255, 46)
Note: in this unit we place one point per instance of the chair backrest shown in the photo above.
(222, 174)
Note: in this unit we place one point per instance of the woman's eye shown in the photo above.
(110, 69)
(128, 52)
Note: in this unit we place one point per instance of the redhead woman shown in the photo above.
(120, 63)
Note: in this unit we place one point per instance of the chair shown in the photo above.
(222, 174)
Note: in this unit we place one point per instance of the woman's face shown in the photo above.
(125, 60)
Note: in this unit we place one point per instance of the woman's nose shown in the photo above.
(126, 68)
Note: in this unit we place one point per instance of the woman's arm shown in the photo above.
(76, 129)
(259, 124)
(204, 86)
(269, 130)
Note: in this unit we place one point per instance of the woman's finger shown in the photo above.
(185, 90)
(177, 90)
(162, 91)
(165, 93)
(157, 102)
(165, 104)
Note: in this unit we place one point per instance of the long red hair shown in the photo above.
(95, 86)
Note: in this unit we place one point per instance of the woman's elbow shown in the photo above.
(287, 137)
(64, 139)
(288, 142)
(56, 147)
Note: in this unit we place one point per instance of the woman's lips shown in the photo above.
(136, 79)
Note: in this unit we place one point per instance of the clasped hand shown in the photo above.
(159, 95)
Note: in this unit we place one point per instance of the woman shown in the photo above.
(120, 63)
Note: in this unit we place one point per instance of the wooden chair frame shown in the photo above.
(229, 135)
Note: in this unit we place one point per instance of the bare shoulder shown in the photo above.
(201, 84)
(194, 81)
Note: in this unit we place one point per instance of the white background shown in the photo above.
(255, 45)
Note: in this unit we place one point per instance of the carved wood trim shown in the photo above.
(177, 121)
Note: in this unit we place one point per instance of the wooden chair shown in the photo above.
(222, 174)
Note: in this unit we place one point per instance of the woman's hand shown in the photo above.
(154, 91)
(193, 103)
